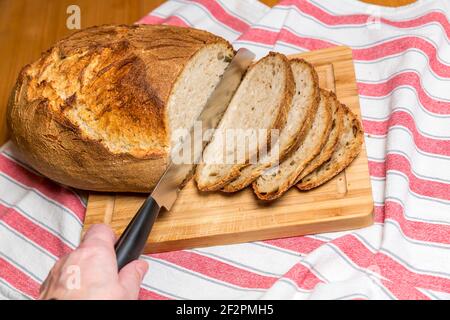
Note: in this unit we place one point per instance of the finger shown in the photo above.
(131, 276)
(99, 234)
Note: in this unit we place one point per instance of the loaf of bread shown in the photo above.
(100, 111)
(97, 110)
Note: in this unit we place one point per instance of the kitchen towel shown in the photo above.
(402, 62)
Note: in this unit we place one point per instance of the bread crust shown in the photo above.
(238, 184)
(333, 138)
(311, 112)
(278, 123)
(350, 154)
(291, 180)
(125, 74)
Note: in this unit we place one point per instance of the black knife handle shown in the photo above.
(132, 241)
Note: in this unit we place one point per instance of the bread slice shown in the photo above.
(99, 109)
(277, 180)
(299, 119)
(262, 101)
(336, 129)
(347, 149)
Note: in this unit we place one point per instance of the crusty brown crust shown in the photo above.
(333, 138)
(291, 180)
(295, 141)
(278, 123)
(334, 168)
(136, 68)
(234, 172)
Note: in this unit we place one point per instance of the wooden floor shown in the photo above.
(28, 27)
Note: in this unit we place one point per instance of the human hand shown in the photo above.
(90, 272)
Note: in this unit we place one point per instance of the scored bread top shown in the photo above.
(97, 105)
(304, 106)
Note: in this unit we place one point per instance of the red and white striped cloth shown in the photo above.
(402, 60)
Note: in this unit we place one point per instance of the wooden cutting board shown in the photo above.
(206, 219)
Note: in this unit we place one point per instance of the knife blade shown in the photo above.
(132, 241)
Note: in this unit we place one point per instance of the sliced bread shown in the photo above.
(299, 119)
(261, 102)
(336, 129)
(273, 183)
(347, 149)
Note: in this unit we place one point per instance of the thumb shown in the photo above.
(131, 276)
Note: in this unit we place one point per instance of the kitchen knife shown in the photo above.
(132, 241)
